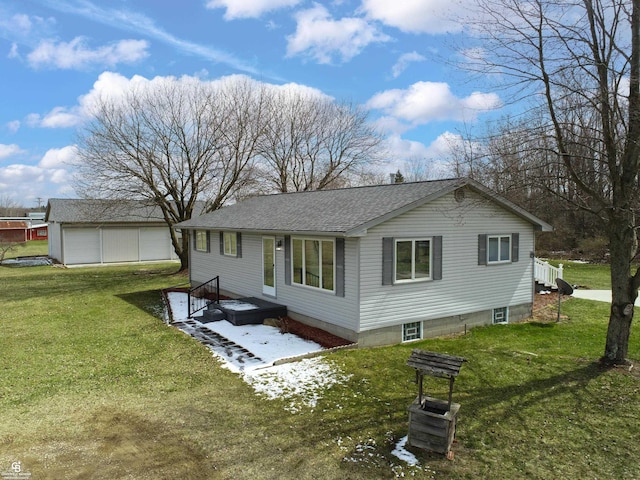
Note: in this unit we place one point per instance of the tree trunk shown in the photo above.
(624, 292)
(183, 254)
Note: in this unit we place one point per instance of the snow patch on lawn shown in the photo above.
(302, 382)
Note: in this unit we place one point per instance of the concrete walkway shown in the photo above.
(599, 295)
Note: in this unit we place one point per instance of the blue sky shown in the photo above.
(393, 57)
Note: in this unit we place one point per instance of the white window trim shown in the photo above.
(413, 325)
(229, 252)
(413, 260)
(506, 316)
(499, 237)
(303, 275)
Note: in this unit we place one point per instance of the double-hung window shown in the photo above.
(202, 241)
(499, 248)
(230, 241)
(407, 260)
(413, 259)
(313, 263)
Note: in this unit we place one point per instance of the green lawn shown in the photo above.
(94, 385)
(28, 249)
(591, 276)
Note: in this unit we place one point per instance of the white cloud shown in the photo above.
(13, 53)
(249, 9)
(13, 126)
(22, 28)
(425, 102)
(59, 117)
(321, 37)
(27, 183)
(56, 158)
(77, 55)
(9, 150)
(404, 61)
(418, 161)
(125, 19)
(16, 25)
(417, 16)
(109, 85)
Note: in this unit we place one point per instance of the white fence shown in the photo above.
(546, 273)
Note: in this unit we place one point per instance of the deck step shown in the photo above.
(218, 343)
(212, 314)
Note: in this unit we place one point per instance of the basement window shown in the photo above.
(501, 315)
(411, 331)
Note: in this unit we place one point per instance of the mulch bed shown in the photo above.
(324, 338)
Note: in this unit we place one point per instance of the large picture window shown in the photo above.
(202, 241)
(313, 262)
(413, 260)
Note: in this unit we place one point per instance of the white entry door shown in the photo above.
(269, 266)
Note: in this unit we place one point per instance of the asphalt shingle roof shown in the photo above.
(67, 210)
(343, 211)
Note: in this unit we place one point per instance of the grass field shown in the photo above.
(29, 249)
(94, 385)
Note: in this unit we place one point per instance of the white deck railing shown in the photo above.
(546, 273)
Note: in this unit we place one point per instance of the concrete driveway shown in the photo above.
(599, 295)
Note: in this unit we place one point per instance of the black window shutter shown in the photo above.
(195, 240)
(482, 249)
(239, 245)
(515, 247)
(208, 238)
(339, 267)
(437, 258)
(287, 260)
(387, 260)
(221, 243)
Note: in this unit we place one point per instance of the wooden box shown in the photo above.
(432, 424)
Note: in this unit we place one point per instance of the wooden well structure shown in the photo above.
(432, 421)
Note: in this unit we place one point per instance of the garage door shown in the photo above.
(120, 245)
(81, 245)
(155, 243)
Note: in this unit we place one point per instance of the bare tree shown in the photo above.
(171, 143)
(311, 142)
(9, 207)
(581, 59)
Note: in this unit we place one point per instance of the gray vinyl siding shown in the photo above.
(341, 311)
(239, 275)
(243, 277)
(465, 287)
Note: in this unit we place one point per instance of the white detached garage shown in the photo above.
(104, 231)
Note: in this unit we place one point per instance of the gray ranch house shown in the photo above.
(87, 231)
(376, 264)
